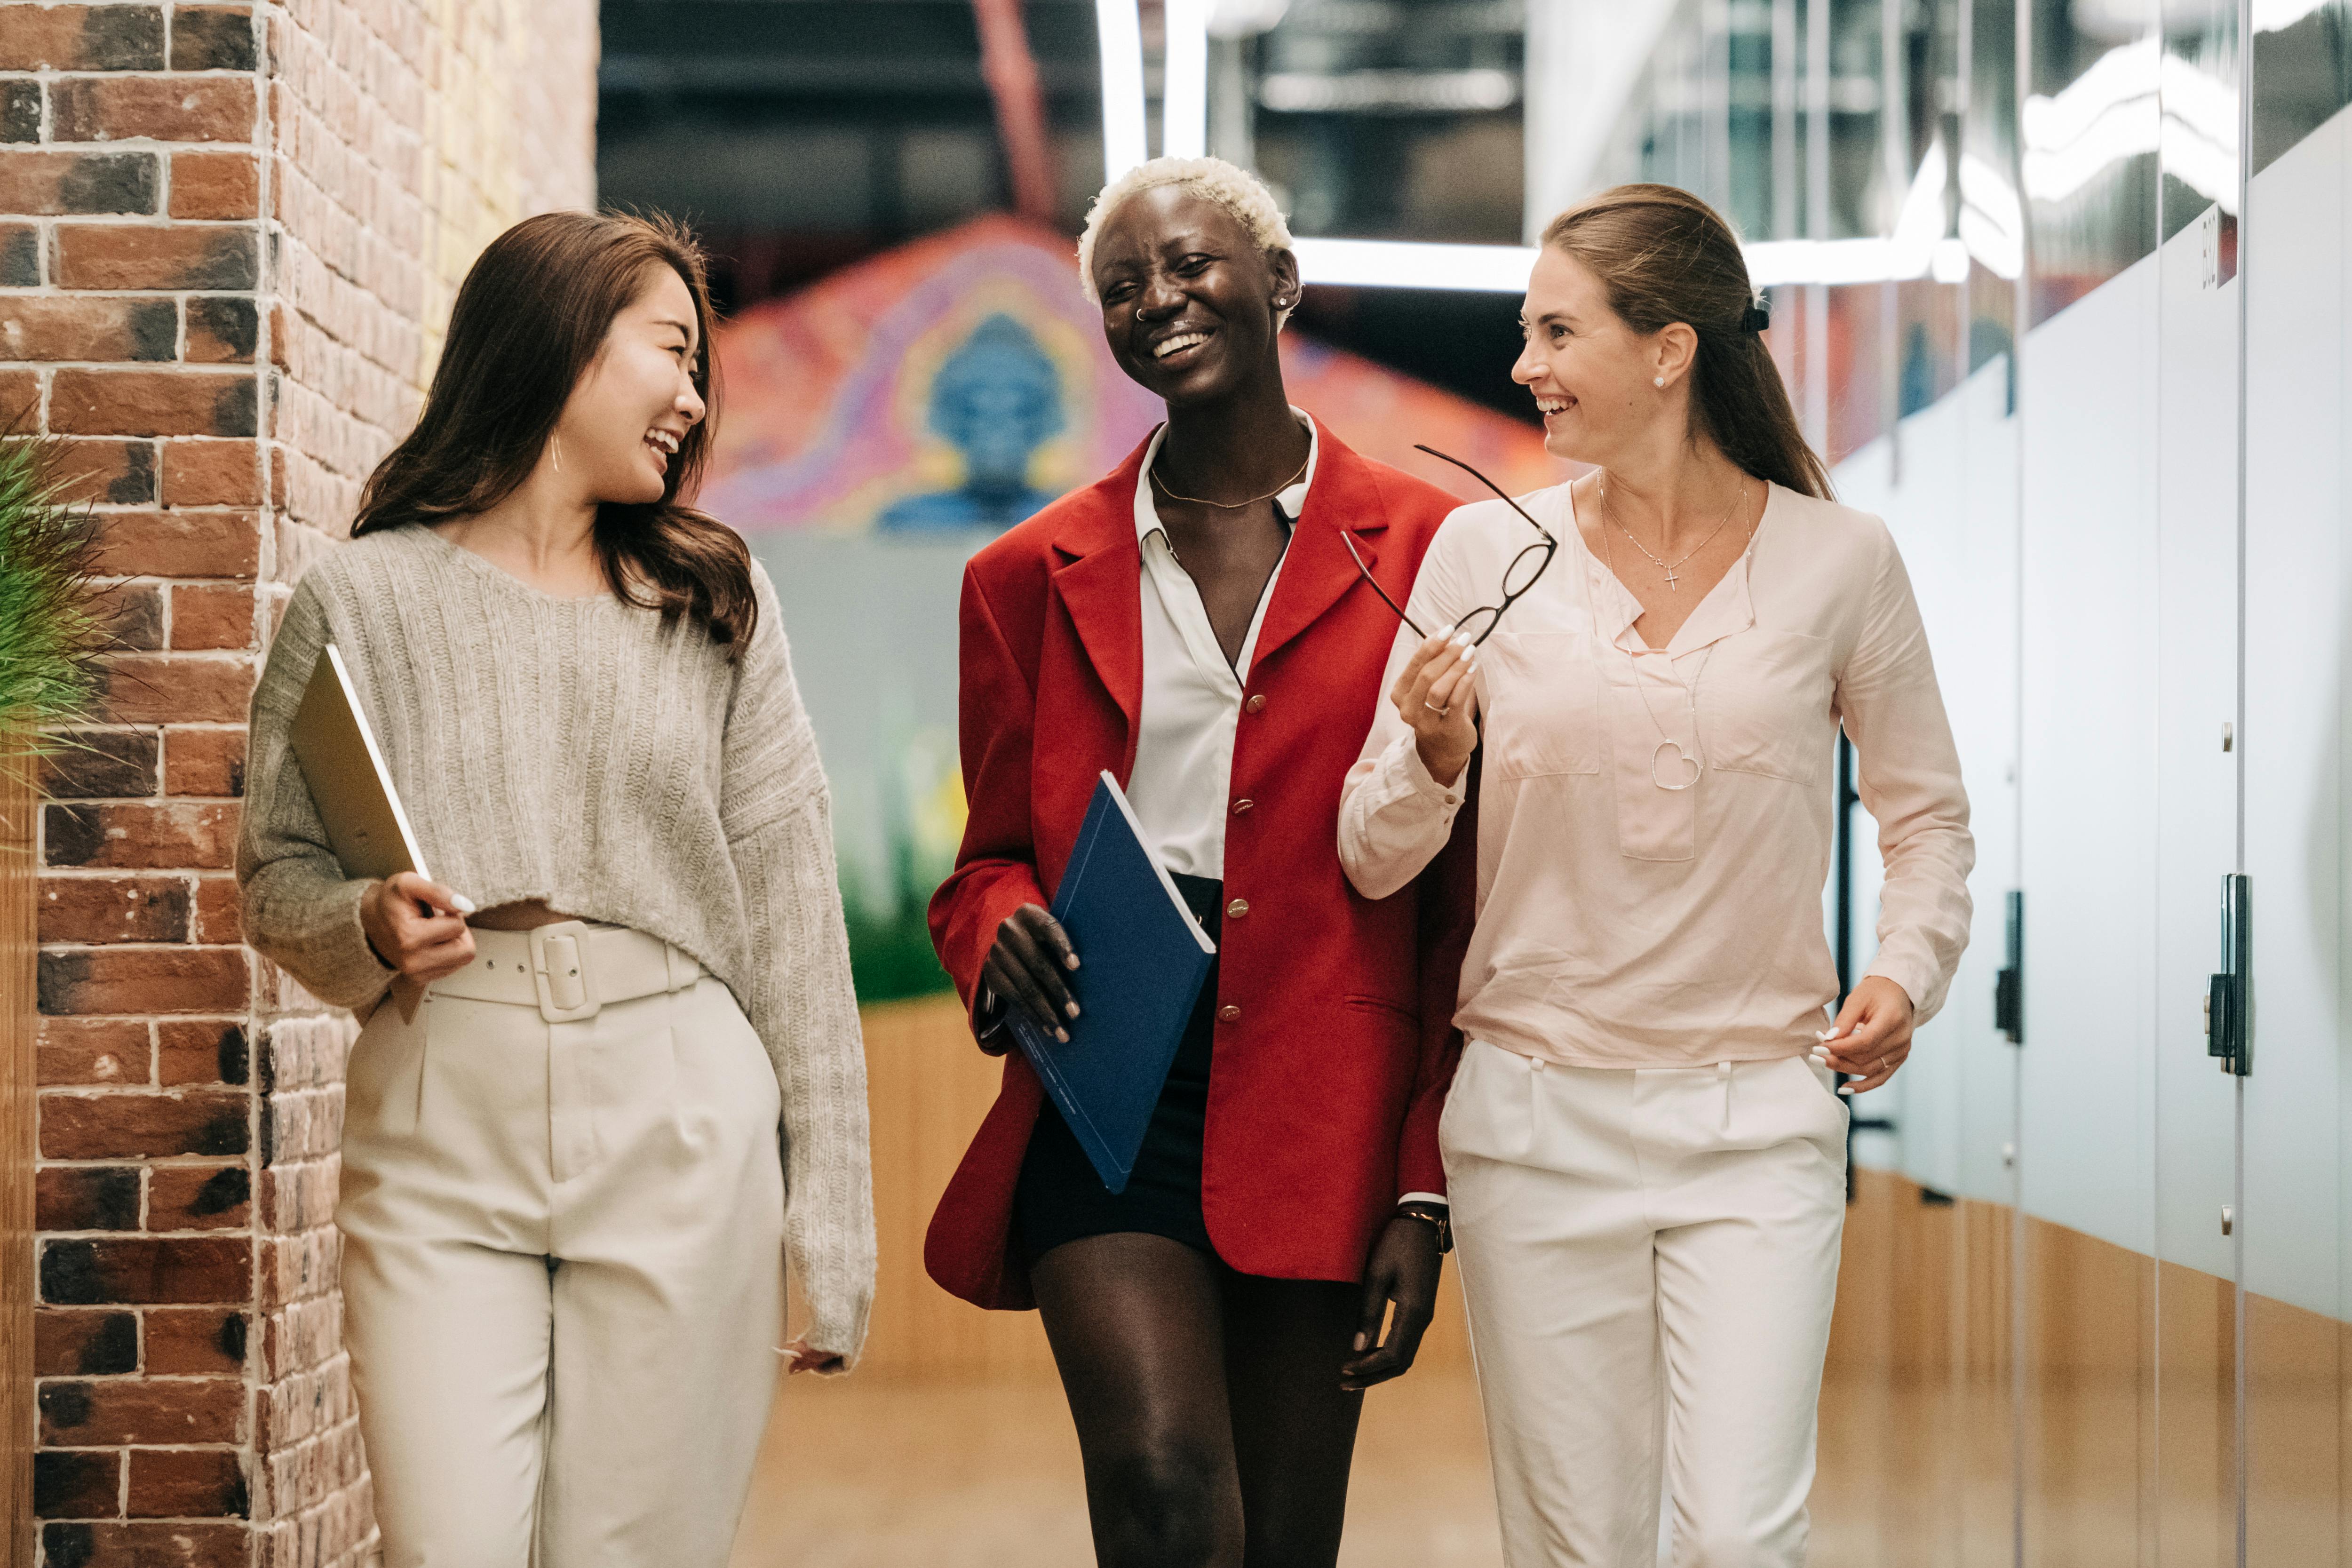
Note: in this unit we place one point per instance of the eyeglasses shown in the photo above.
(1519, 577)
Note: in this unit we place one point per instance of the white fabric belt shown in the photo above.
(569, 970)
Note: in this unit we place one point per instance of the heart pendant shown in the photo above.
(1680, 755)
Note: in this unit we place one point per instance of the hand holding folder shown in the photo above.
(366, 825)
(1143, 958)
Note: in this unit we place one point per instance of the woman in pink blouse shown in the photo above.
(1644, 1145)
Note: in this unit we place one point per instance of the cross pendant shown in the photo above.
(1671, 580)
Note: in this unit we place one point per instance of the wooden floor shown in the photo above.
(883, 1475)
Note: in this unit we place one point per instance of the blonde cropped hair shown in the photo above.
(1232, 187)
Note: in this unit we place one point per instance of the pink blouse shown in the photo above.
(1623, 922)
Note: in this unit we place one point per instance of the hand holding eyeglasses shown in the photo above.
(1438, 696)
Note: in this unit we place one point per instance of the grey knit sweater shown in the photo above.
(580, 752)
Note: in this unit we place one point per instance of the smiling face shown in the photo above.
(1190, 302)
(626, 421)
(1594, 378)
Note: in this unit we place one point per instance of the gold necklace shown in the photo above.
(1174, 494)
(1611, 514)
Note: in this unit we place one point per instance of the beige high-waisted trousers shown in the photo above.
(1649, 1256)
(563, 1272)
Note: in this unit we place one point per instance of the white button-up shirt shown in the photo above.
(1191, 697)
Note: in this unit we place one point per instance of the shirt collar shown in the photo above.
(1292, 498)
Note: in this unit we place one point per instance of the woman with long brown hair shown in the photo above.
(1644, 1145)
(564, 1209)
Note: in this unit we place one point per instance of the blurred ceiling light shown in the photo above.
(1400, 264)
(1245, 18)
(1184, 95)
(1120, 30)
(1390, 91)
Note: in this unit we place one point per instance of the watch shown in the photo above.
(1434, 1215)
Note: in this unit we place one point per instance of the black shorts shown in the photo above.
(1060, 1197)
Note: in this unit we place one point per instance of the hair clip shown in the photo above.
(1755, 319)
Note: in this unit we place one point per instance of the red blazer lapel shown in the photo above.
(1343, 499)
(1101, 587)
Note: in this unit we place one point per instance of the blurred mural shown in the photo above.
(883, 424)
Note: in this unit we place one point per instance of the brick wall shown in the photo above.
(228, 238)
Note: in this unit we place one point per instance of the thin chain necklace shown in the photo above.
(1698, 762)
(1672, 580)
(1174, 494)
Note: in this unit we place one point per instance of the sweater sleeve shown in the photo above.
(301, 912)
(1910, 781)
(777, 815)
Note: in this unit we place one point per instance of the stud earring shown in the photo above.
(1657, 380)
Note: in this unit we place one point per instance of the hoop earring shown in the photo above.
(555, 450)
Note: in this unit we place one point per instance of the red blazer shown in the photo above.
(1335, 1044)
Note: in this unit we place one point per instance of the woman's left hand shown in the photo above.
(1871, 1035)
(1404, 1269)
(798, 1357)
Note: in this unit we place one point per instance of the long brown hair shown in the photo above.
(1664, 256)
(530, 319)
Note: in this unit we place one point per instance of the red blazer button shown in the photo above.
(1228, 1014)
(1242, 805)
(1237, 909)
(1255, 703)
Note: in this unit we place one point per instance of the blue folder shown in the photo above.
(1142, 959)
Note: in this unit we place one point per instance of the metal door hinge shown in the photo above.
(2229, 994)
(2008, 985)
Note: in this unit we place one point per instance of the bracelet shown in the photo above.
(1442, 1220)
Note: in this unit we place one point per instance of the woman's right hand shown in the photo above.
(1026, 965)
(1438, 696)
(416, 927)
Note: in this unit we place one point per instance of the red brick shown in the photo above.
(132, 615)
(154, 688)
(187, 1483)
(41, 182)
(143, 980)
(20, 109)
(194, 1342)
(221, 329)
(81, 37)
(220, 912)
(20, 256)
(215, 185)
(178, 544)
(120, 473)
(210, 473)
(107, 1414)
(114, 909)
(77, 1484)
(94, 1051)
(214, 615)
(85, 1344)
(82, 327)
(174, 1545)
(204, 762)
(141, 834)
(139, 1270)
(20, 391)
(152, 403)
(198, 1197)
(129, 1125)
(85, 764)
(163, 108)
(212, 38)
(140, 255)
(85, 1197)
(203, 1050)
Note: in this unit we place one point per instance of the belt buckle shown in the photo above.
(562, 975)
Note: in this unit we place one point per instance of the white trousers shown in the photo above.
(1650, 1259)
(563, 1278)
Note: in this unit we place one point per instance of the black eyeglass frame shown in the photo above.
(1550, 546)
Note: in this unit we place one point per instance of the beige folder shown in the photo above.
(349, 783)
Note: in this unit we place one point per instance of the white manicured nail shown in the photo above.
(461, 903)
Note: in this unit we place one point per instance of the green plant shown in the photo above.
(50, 632)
